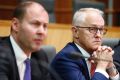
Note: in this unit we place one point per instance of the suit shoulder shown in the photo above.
(4, 52)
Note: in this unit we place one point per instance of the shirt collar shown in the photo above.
(19, 53)
(84, 53)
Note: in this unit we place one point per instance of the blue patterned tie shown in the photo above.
(27, 75)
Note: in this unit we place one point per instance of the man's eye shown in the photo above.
(92, 28)
(44, 25)
(101, 29)
(36, 24)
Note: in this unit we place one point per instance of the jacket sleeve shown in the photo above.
(4, 65)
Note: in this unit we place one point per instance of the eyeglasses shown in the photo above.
(94, 30)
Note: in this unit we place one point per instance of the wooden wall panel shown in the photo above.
(6, 8)
(58, 34)
(63, 11)
(115, 11)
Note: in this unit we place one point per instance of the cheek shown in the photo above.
(45, 33)
(89, 41)
(94, 45)
(29, 30)
(27, 33)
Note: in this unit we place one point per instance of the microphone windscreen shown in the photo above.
(76, 56)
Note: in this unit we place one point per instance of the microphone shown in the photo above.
(51, 70)
(78, 56)
(41, 58)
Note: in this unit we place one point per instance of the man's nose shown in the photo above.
(41, 29)
(98, 33)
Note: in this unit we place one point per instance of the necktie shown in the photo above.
(92, 70)
(27, 75)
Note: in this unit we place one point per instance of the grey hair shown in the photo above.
(80, 15)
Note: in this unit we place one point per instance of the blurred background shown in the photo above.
(61, 11)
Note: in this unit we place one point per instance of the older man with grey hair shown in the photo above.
(87, 29)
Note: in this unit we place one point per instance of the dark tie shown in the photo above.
(92, 70)
(27, 75)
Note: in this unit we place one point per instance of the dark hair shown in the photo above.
(20, 10)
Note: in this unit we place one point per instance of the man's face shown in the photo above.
(88, 38)
(32, 30)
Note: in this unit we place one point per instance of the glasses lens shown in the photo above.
(104, 31)
(94, 30)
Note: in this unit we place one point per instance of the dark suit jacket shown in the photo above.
(70, 69)
(116, 56)
(8, 65)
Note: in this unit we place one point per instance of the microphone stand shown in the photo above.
(50, 69)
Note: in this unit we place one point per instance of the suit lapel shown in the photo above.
(85, 69)
(39, 70)
(13, 64)
(82, 63)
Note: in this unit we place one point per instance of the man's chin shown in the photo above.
(36, 48)
(95, 46)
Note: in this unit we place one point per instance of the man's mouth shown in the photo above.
(38, 41)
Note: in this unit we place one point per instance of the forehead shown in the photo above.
(36, 11)
(94, 19)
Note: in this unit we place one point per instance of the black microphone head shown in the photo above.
(76, 56)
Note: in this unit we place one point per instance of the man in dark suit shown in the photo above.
(87, 29)
(28, 31)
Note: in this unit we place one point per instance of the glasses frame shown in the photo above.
(94, 30)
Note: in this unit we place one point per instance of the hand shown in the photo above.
(103, 56)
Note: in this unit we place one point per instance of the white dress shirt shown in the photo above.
(20, 57)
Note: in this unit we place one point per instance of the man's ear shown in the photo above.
(75, 32)
(15, 24)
